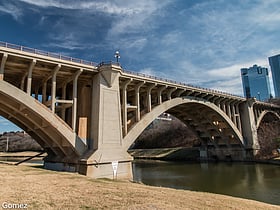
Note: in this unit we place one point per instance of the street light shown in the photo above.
(117, 55)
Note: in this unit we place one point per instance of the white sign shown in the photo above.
(115, 168)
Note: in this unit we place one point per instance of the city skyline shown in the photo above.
(203, 43)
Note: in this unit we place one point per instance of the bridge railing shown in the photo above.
(180, 83)
(81, 61)
(45, 53)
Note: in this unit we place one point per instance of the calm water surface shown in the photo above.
(253, 181)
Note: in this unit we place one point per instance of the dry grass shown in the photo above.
(43, 189)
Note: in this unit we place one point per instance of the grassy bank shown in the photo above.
(43, 189)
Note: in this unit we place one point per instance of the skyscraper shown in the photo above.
(255, 82)
(274, 62)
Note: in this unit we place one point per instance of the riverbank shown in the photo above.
(44, 189)
(190, 154)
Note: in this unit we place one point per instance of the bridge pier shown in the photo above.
(106, 128)
(249, 128)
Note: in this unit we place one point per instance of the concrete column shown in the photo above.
(249, 129)
(149, 98)
(169, 93)
(74, 106)
(106, 127)
(137, 100)
(36, 93)
(29, 77)
(217, 101)
(233, 113)
(229, 110)
(23, 81)
(238, 117)
(63, 105)
(44, 92)
(223, 106)
(124, 106)
(2, 68)
(53, 98)
(159, 92)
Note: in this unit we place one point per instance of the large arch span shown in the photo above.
(268, 116)
(189, 110)
(46, 128)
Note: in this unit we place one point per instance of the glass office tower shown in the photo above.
(274, 62)
(255, 82)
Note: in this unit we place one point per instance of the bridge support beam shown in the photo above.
(2, 68)
(249, 129)
(106, 128)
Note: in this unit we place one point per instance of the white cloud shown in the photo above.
(148, 71)
(266, 14)
(66, 41)
(137, 43)
(139, 19)
(12, 10)
(117, 7)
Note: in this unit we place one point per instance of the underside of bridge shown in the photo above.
(219, 138)
(209, 126)
(38, 121)
(269, 135)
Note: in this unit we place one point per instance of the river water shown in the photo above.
(259, 182)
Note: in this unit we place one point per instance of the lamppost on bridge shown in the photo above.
(259, 96)
(117, 55)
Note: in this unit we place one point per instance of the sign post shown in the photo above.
(115, 169)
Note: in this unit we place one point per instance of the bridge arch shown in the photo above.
(46, 128)
(172, 104)
(269, 115)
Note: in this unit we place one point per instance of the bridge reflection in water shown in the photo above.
(252, 181)
(86, 116)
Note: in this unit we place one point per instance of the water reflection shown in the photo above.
(253, 181)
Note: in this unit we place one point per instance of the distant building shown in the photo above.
(255, 82)
(274, 62)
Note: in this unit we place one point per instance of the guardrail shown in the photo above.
(181, 83)
(77, 60)
(45, 53)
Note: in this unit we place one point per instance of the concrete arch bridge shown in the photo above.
(86, 116)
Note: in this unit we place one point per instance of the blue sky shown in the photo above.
(199, 42)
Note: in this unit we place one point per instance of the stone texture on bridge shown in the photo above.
(86, 116)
